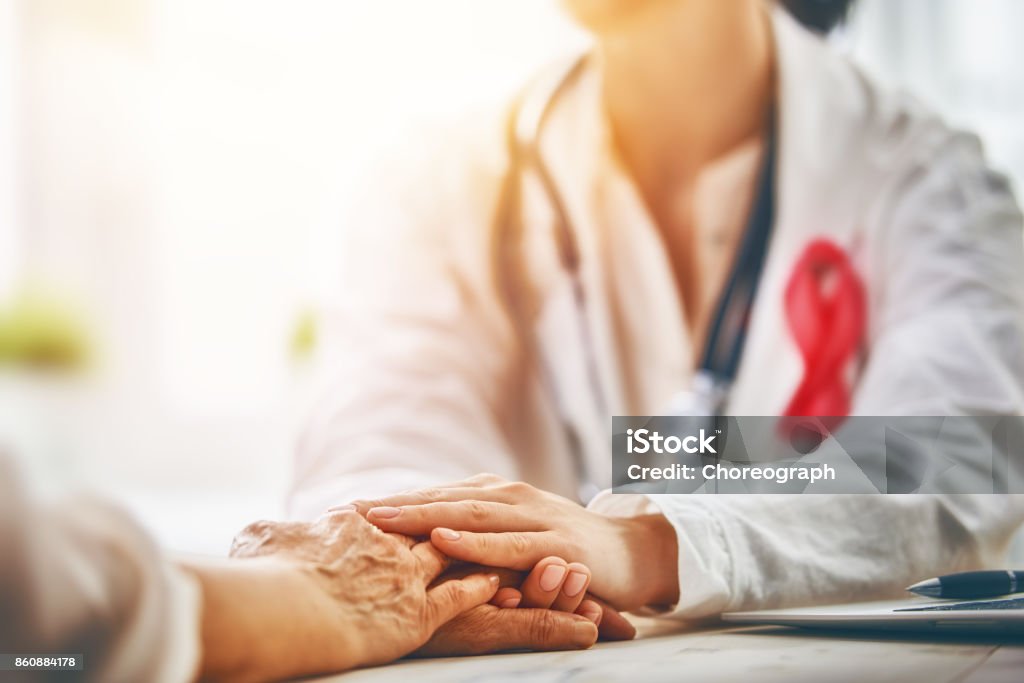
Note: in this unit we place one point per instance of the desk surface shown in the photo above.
(669, 652)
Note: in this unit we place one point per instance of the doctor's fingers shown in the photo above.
(483, 487)
(431, 495)
(471, 515)
(511, 550)
(556, 584)
(574, 589)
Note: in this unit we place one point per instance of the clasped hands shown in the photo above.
(482, 565)
(624, 562)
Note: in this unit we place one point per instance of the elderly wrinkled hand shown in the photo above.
(350, 594)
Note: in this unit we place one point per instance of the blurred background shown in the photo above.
(169, 170)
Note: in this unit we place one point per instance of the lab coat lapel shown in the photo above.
(817, 194)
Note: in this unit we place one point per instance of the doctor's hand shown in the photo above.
(489, 521)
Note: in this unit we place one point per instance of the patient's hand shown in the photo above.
(325, 596)
(490, 521)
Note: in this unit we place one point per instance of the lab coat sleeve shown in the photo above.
(947, 338)
(81, 578)
(417, 351)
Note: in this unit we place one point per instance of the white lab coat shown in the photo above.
(427, 384)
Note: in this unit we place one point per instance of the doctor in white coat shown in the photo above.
(654, 147)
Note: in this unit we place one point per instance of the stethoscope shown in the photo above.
(720, 359)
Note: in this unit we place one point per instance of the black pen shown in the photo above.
(970, 585)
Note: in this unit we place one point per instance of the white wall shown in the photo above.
(961, 56)
(10, 246)
(183, 156)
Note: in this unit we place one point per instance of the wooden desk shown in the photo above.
(666, 652)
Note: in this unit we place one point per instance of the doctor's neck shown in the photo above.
(685, 81)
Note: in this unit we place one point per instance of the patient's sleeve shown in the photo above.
(80, 577)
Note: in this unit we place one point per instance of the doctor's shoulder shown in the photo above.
(938, 230)
(917, 171)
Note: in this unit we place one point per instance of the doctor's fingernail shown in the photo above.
(342, 508)
(592, 615)
(511, 603)
(448, 534)
(574, 584)
(552, 577)
(384, 513)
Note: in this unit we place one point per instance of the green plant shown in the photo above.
(40, 333)
(304, 335)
